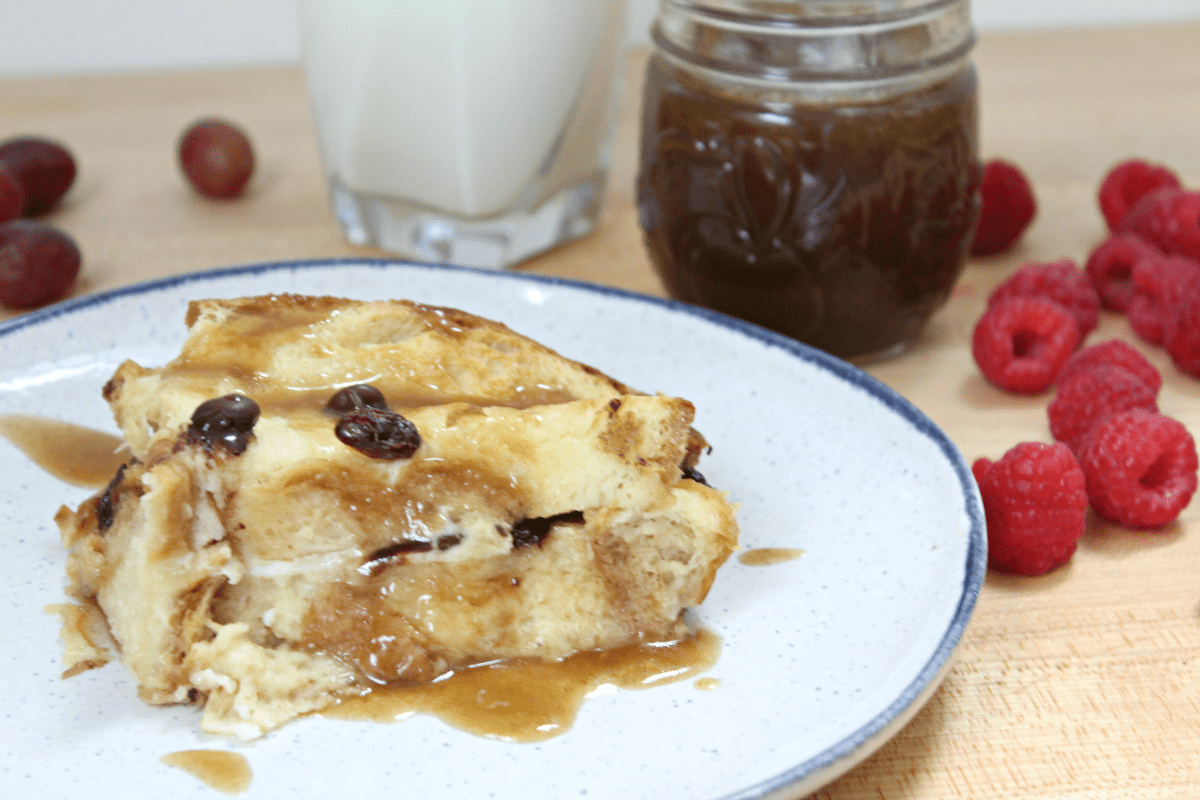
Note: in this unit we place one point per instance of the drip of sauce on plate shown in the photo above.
(523, 700)
(72, 453)
(707, 684)
(222, 770)
(766, 556)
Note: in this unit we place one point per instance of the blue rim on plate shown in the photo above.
(837, 757)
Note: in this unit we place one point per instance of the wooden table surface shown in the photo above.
(1083, 684)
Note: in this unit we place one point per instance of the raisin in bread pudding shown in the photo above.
(326, 495)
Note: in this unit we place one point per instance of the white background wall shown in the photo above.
(64, 36)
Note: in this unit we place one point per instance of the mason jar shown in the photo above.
(812, 167)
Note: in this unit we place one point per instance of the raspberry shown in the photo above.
(1169, 219)
(1128, 182)
(1021, 343)
(1061, 281)
(1182, 334)
(1089, 395)
(1036, 507)
(1008, 206)
(980, 469)
(1113, 353)
(1140, 468)
(1110, 268)
(1159, 284)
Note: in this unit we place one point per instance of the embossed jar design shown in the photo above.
(812, 167)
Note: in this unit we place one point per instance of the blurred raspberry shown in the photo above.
(1061, 281)
(1127, 183)
(1159, 284)
(1110, 268)
(1113, 353)
(1089, 395)
(1182, 334)
(980, 469)
(1021, 343)
(1169, 219)
(1036, 507)
(1140, 468)
(1008, 206)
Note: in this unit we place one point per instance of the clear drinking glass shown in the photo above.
(473, 132)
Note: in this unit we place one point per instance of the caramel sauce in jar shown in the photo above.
(829, 197)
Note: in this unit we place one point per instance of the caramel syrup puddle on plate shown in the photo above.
(222, 770)
(766, 556)
(522, 700)
(72, 453)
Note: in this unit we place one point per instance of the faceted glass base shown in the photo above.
(493, 242)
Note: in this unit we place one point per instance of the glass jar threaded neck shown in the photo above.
(834, 41)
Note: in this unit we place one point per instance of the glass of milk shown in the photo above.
(474, 132)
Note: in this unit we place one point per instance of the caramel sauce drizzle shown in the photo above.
(767, 556)
(222, 770)
(522, 700)
(72, 453)
(249, 338)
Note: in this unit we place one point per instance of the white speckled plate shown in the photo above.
(824, 657)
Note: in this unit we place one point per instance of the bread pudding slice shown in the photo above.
(328, 495)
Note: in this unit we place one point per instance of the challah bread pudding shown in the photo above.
(327, 495)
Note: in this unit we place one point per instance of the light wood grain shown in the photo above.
(1083, 684)
(1079, 685)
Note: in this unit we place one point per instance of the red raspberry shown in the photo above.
(1140, 468)
(980, 469)
(1128, 182)
(1089, 395)
(1008, 206)
(1182, 334)
(1159, 287)
(1113, 353)
(1110, 268)
(1169, 219)
(1021, 343)
(1061, 281)
(1036, 507)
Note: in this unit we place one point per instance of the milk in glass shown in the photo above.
(484, 119)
